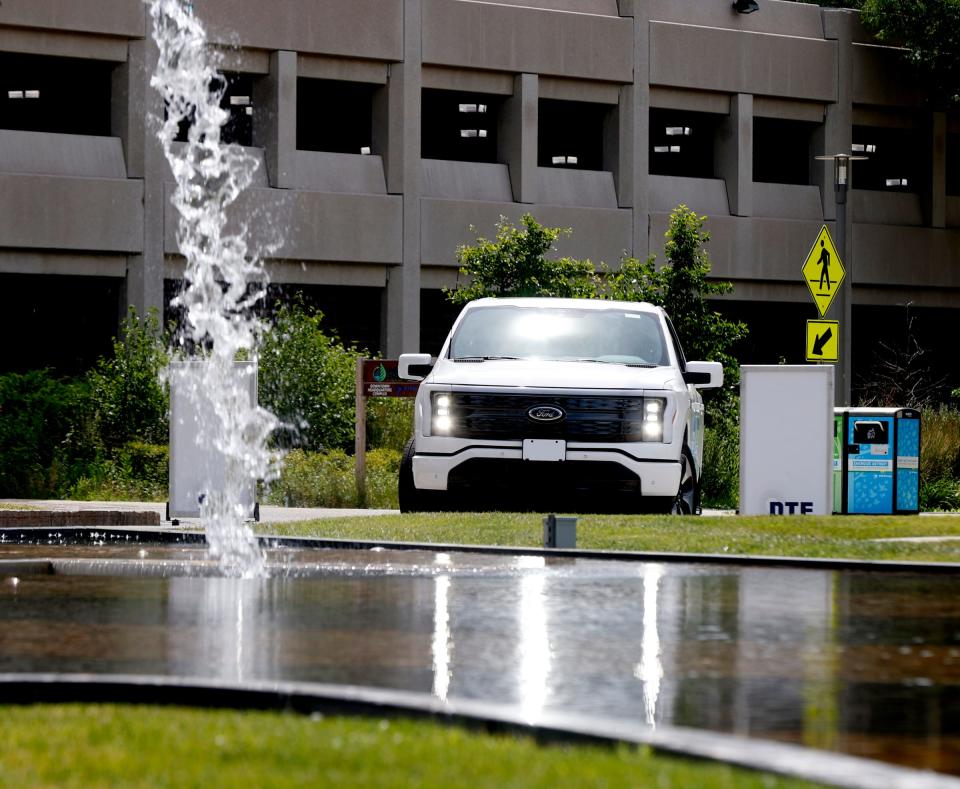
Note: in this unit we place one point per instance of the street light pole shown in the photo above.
(842, 307)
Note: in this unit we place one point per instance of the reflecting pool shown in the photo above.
(866, 663)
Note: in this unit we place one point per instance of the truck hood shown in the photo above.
(552, 375)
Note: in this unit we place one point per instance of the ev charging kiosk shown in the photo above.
(876, 461)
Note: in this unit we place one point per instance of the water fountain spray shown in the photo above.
(225, 279)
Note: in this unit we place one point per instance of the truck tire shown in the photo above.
(406, 490)
(410, 498)
(686, 501)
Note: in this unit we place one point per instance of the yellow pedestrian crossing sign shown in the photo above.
(823, 341)
(823, 271)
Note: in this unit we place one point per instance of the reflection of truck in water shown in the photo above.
(538, 398)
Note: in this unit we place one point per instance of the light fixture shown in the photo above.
(239, 101)
(678, 131)
(442, 420)
(896, 181)
(14, 94)
(564, 160)
(31, 94)
(745, 6)
(653, 408)
(365, 150)
(473, 108)
(473, 133)
(863, 148)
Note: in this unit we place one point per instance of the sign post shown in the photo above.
(823, 341)
(824, 274)
(374, 378)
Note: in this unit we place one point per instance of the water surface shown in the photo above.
(861, 662)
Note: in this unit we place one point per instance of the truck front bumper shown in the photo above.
(658, 475)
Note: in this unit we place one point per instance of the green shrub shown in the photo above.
(130, 402)
(721, 466)
(383, 470)
(38, 412)
(327, 479)
(940, 494)
(389, 422)
(306, 379)
(133, 472)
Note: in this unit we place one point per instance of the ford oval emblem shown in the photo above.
(546, 413)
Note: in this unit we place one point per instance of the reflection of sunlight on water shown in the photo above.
(534, 644)
(442, 645)
(650, 669)
(226, 642)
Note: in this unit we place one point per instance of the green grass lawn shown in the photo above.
(115, 745)
(848, 537)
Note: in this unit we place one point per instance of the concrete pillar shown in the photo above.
(734, 152)
(405, 85)
(136, 111)
(938, 171)
(633, 121)
(275, 117)
(517, 137)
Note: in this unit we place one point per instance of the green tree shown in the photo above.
(129, 400)
(516, 264)
(306, 378)
(682, 288)
(929, 32)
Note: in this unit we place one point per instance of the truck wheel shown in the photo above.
(411, 499)
(687, 501)
(406, 490)
(687, 498)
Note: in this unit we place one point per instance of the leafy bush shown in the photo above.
(134, 472)
(306, 379)
(37, 414)
(939, 494)
(721, 466)
(389, 422)
(326, 479)
(129, 399)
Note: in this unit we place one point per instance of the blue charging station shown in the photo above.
(876, 461)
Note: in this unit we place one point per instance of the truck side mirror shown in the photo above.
(414, 366)
(704, 375)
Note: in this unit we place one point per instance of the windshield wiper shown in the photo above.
(625, 364)
(485, 358)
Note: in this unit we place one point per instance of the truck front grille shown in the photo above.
(585, 418)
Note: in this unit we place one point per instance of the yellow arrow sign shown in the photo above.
(823, 341)
(823, 271)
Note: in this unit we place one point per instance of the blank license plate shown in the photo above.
(544, 449)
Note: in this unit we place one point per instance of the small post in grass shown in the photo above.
(559, 532)
(360, 437)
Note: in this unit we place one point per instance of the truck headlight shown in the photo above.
(441, 409)
(653, 408)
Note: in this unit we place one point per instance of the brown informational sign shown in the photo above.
(380, 379)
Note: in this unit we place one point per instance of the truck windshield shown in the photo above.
(592, 335)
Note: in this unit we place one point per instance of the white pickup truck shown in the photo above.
(540, 400)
